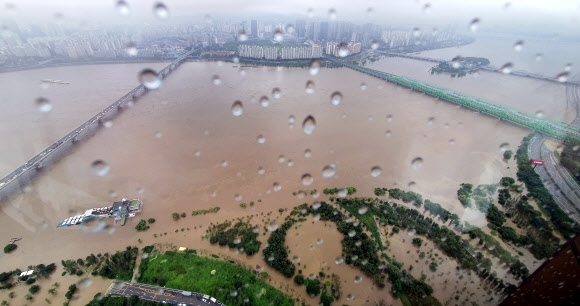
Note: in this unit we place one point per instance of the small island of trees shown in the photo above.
(460, 66)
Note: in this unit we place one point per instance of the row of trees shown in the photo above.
(205, 211)
(406, 196)
(134, 300)
(242, 236)
(116, 266)
(332, 191)
(276, 253)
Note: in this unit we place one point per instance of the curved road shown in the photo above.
(557, 181)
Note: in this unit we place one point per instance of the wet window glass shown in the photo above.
(292, 153)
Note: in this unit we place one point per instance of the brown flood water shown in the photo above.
(151, 150)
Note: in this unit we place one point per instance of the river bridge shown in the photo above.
(19, 177)
(551, 128)
(489, 68)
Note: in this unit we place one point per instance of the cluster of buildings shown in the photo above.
(273, 53)
(342, 49)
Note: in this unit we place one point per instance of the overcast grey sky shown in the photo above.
(557, 16)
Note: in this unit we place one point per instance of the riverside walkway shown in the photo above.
(17, 176)
(551, 128)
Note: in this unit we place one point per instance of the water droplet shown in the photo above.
(540, 114)
(149, 79)
(314, 67)
(539, 57)
(290, 28)
(216, 80)
(376, 171)
(388, 133)
(272, 226)
(328, 171)
(242, 72)
(306, 179)
(519, 45)
(207, 18)
(261, 139)
(456, 62)
(278, 35)
(291, 119)
(281, 159)
(308, 125)
(416, 32)
(236, 60)
(264, 101)
(568, 67)
(507, 68)
(332, 14)
(343, 192)
(427, 8)
(363, 210)
(160, 10)
(307, 153)
(290, 163)
(276, 93)
(310, 87)
(504, 147)
(43, 104)
(350, 297)
(84, 283)
(158, 135)
(123, 8)
(108, 123)
(358, 243)
(363, 86)
(375, 45)
(416, 163)
(343, 50)
(237, 108)
(295, 259)
(474, 24)
(131, 49)
(310, 12)
(562, 77)
(242, 36)
(430, 120)
(336, 98)
(237, 241)
(100, 167)
(389, 118)
(451, 141)
(352, 233)
(358, 279)
(224, 163)
(238, 197)
(411, 185)
(261, 170)
(316, 205)
(319, 241)
(276, 187)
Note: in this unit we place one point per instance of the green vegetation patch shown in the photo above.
(10, 247)
(242, 236)
(211, 210)
(463, 194)
(359, 208)
(117, 266)
(187, 271)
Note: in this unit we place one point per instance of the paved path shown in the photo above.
(160, 294)
(559, 183)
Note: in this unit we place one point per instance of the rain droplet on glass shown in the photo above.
(291, 119)
(416, 163)
(562, 77)
(376, 171)
(307, 153)
(427, 8)
(363, 86)
(375, 45)
(507, 68)
(123, 7)
(100, 167)
(261, 139)
(519, 45)
(216, 80)
(224, 163)
(343, 50)
(43, 104)
(276, 187)
(306, 179)
(314, 67)
(336, 98)
(332, 14)
(276, 93)
(308, 125)
(150, 79)
(328, 171)
(264, 101)
(540, 114)
(278, 35)
(131, 49)
(416, 32)
(474, 24)
(237, 108)
(261, 170)
(242, 36)
(160, 11)
(310, 87)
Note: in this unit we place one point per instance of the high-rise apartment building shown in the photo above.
(254, 28)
